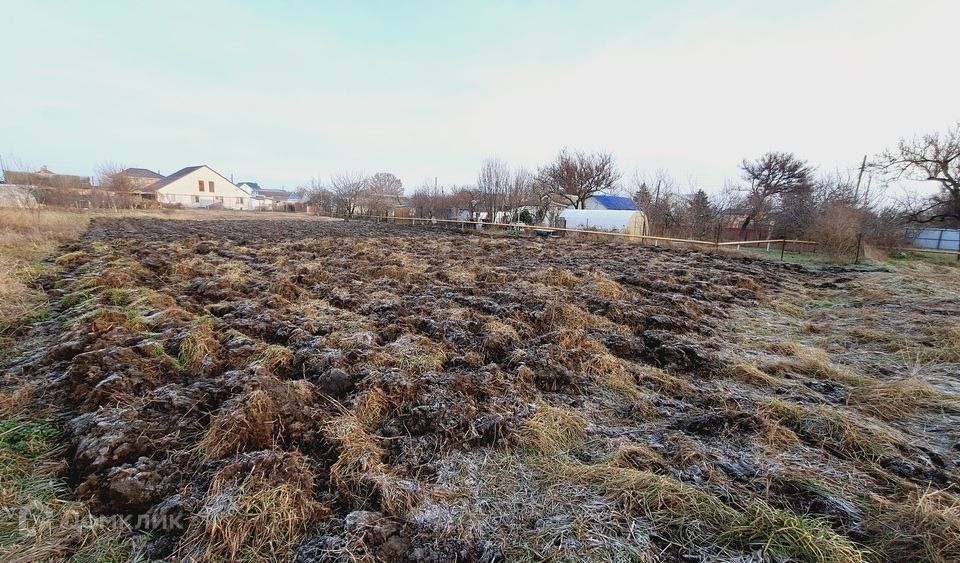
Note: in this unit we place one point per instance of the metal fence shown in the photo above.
(935, 239)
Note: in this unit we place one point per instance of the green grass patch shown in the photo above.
(22, 436)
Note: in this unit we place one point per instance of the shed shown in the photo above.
(621, 221)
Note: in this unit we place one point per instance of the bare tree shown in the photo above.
(108, 175)
(658, 196)
(385, 184)
(466, 198)
(771, 179)
(575, 176)
(383, 192)
(493, 183)
(430, 200)
(934, 157)
(348, 188)
(520, 192)
(319, 196)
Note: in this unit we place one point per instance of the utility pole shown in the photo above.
(856, 192)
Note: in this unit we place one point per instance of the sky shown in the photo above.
(280, 92)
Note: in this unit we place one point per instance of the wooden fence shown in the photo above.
(524, 228)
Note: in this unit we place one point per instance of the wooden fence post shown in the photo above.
(859, 240)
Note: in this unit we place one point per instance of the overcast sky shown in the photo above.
(279, 92)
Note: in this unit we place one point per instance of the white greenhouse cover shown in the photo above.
(598, 219)
(16, 196)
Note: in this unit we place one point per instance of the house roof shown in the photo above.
(141, 173)
(172, 178)
(252, 185)
(183, 172)
(278, 194)
(616, 202)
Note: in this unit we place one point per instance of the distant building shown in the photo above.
(252, 187)
(610, 203)
(137, 178)
(197, 186)
(262, 198)
(44, 178)
(382, 205)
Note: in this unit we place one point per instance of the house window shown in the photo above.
(239, 201)
(196, 199)
(200, 184)
(219, 199)
(210, 183)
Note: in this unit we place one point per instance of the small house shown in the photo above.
(133, 179)
(45, 178)
(197, 186)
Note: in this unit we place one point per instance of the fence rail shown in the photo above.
(765, 241)
(929, 250)
(642, 238)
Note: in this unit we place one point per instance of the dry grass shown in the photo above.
(70, 258)
(26, 236)
(808, 361)
(559, 314)
(29, 233)
(944, 344)
(923, 527)
(499, 339)
(670, 502)
(587, 355)
(663, 382)
(639, 456)
(285, 287)
(276, 357)
(602, 286)
(260, 419)
(749, 373)
(414, 354)
(247, 423)
(507, 499)
(360, 472)
(612, 373)
(895, 400)
(199, 344)
(256, 509)
(791, 309)
(553, 430)
(191, 267)
(557, 277)
(834, 430)
(234, 273)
